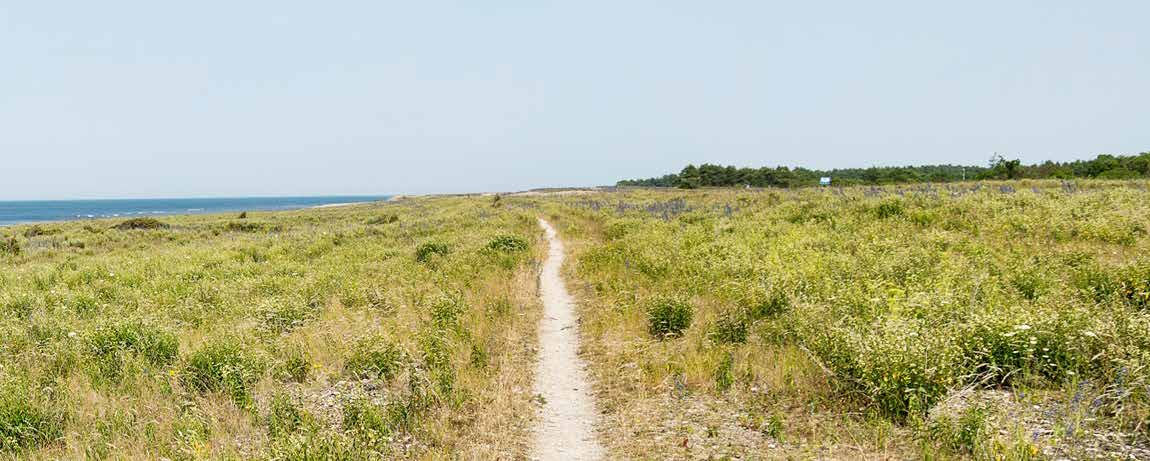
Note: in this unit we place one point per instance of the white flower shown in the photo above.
(71, 334)
(1022, 327)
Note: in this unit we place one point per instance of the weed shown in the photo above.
(113, 346)
(965, 434)
(26, 420)
(382, 219)
(425, 251)
(294, 365)
(723, 377)
(224, 366)
(668, 317)
(507, 244)
(284, 418)
(375, 356)
(730, 328)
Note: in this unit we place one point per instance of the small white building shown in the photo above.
(825, 181)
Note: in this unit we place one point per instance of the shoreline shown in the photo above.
(89, 210)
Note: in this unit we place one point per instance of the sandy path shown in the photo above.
(566, 425)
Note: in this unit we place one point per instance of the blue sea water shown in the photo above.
(19, 212)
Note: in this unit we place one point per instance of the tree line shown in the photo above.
(708, 175)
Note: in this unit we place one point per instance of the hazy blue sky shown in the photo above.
(144, 98)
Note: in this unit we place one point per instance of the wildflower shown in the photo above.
(71, 334)
(1022, 327)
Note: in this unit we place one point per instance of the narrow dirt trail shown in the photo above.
(566, 428)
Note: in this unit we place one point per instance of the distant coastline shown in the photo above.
(40, 211)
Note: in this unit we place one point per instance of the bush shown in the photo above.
(761, 305)
(508, 244)
(250, 227)
(10, 246)
(25, 421)
(668, 317)
(424, 252)
(374, 356)
(965, 433)
(141, 224)
(224, 366)
(38, 230)
(113, 345)
(366, 420)
(1134, 286)
(889, 209)
(382, 219)
(731, 328)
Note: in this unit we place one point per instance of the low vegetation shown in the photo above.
(978, 320)
(311, 334)
(141, 223)
(860, 312)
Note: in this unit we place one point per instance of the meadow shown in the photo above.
(995, 320)
(365, 332)
(988, 320)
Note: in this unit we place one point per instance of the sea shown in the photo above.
(33, 211)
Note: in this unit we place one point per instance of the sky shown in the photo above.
(213, 98)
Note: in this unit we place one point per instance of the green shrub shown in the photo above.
(424, 252)
(619, 229)
(38, 230)
(382, 219)
(668, 317)
(284, 418)
(26, 421)
(1134, 286)
(320, 446)
(445, 311)
(508, 244)
(288, 315)
(723, 375)
(10, 246)
(375, 356)
(141, 224)
(371, 423)
(295, 365)
(20, 306)
(366, 420)
(112, 346)
(889, 209)
(224, 366)
(730, 328)
(766, 304)
(965, 433)
(251, 227)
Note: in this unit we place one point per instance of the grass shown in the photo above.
(208, 337)
(970, 321)
(864, 309)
